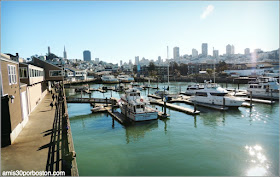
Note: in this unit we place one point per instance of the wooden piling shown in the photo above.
(224, 102)
(250, 98)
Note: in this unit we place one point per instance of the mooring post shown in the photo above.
(224, 102)
(148, 90)
(238, 85)
(81, 94)
(165, 107)
(194, 110)
(111, 93)
(106, 101)
(271, 99)
(250, 98)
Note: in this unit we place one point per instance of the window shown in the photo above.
(56, 73)
(12, 74)
(23, 72)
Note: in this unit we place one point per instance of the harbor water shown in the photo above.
(237, 142)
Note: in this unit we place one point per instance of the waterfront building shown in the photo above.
(64, 54)
(228, 50)
(215, 53)
(194, 53)
(87, 55)
(136, 60)
(247, 51)
(204, 49)
(79, 74)
(176, 53)
(11, 113)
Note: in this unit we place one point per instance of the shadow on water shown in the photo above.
(137, 130)
(215, 117)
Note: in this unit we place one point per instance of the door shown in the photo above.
(24, 105)
(5, 122)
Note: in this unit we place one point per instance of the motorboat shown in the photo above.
(264, 87)
(125, 78)
(136, 107)
(192, 89)
(109, 79)
(213, 94)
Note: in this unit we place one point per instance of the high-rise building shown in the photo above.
(204, 49)
(49, 50)
(97, 60)
(159, 59)
(228, 49)
(247, 51)
(130, 62)
(194, 53)
(121, 63)
(215, 53)
(176, 53)
(232, 49)
(136, 60)
(64, 54)
(87, 56)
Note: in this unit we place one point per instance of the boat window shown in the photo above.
(218, 94)
(201, 94)
(134, 108)
(138, 94)
(251, 86)
(260, 86)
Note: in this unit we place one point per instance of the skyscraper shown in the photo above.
(194, 53)
(176, 54)
(215, 53)
(204, 49)
(87, 56)
(228, 50)
(121, 63)
(247, 51)
(136, 60)
(64, 54)
(232, 49)
(49, 50)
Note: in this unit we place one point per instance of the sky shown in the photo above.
(121, 30)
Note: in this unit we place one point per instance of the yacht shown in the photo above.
(125, 78)
(109, 79)
(192, 89)
(135, 107)
(264, 87)
(212, 93)
(137, 86)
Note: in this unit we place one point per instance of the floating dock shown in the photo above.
(154, 96)
(260, 101)
(175, 107)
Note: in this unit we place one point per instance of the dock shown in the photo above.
(154, 96)
(260, 101)
(175, 107)
(91, 100)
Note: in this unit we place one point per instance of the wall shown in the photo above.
(15, 106)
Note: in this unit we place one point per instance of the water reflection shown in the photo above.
(257, 161)
(136, 131)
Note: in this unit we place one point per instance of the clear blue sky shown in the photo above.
(115, 31)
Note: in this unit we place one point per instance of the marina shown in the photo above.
(246, 122)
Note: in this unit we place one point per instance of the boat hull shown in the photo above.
(137, 117)
(218, 101)
(264, 94)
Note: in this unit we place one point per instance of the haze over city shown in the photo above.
(115, 31)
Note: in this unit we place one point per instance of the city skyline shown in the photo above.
(117, 31)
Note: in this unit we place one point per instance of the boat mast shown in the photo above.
(214, 66)
(167, 67)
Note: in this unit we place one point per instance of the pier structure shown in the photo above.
(46, 143)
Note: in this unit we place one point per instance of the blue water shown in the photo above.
(236, 142)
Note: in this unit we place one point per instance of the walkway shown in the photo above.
(30, 149)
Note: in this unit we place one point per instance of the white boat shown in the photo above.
(213, 94)
(125, 78)
(136, 107)
(137, 86)
(109, 79)
(192, 89)
(264, 87)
